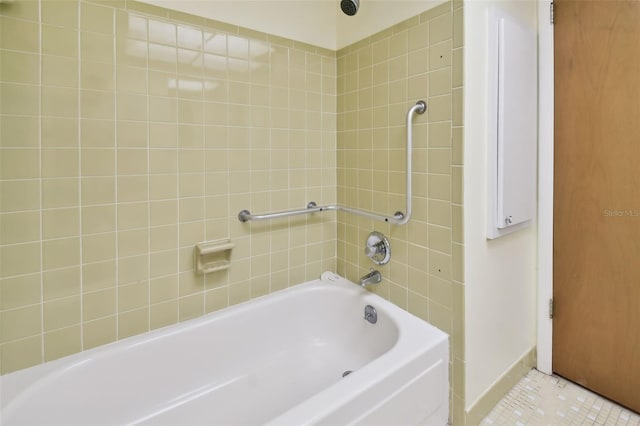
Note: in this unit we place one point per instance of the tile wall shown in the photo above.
(379, 79)
(128, 134)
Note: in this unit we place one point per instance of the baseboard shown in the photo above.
(500, 387)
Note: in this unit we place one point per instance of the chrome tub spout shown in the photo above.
(373, 277)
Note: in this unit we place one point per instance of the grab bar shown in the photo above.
(312, 207)
(399, 218)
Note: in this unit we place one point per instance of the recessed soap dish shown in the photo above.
(212, 256)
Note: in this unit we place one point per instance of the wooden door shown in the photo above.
(596, 325)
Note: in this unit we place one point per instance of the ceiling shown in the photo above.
(317, 22)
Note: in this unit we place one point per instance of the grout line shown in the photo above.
(116, 177)
(41, 201)
(81, 234)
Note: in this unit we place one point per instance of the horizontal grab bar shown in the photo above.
(312, 207)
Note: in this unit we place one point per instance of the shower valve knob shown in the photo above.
(377, 248)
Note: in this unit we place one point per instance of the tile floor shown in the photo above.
(539, 399)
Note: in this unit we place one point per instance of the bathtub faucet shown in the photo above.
(373, 277)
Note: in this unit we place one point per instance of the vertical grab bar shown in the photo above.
(420, 107)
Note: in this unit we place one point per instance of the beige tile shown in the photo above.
(19, 259)
(190, 283)
(19, 291)
(163, 187)
(133, 242)
(458, 28)
(133, 322)
(98, 190)
(132, 161)
(133, 296)
(418, 306)
(60, 223)
(216, 299)
(163, 58)
(97, 133)
(163, 110)
(21, 354)
(163, 212)
(20, 227)
(98, 247)
(60, 253)
(131, 107)
(162, 32)
(60, 101)
(98, 304)
(457, 67)
(440, 55)
(98, 219)
(457, 192)
(96, 75)
(133, 188)
(440, 108)
(99, 276)
(61, 13)
(97, 47)
(457, 260)
(60, 193)
(19, 132)
(440, 317)
(59, 132)
(440, 82)
(418, 36)
(457, 149)
(163, 263)
(20, 35)
(97, 104)
(96, 18)
(458, 107)
(163, 289)
(190, 307)
(99, 332)
(163, 314)
(440, 264)
(57, 163)
(131, 53)
(98, 162)
(440, 28)
(190, 65)
(457, 224)
(133, 269)
(133, 215)
(439, 160)
(131, 25)
(61, 283)
(61, 313)
(19, 99)
(20, 67)
(20, 322)
(132, 134)
(23, 9)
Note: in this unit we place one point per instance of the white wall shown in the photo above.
(500, 275)
(317, 22)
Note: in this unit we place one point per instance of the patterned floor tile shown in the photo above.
(539, 399)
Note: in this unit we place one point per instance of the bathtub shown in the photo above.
(282, 359)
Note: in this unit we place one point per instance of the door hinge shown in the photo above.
(552, 17)
(550, 308)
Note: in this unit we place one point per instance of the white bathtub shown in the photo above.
(276, 360)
